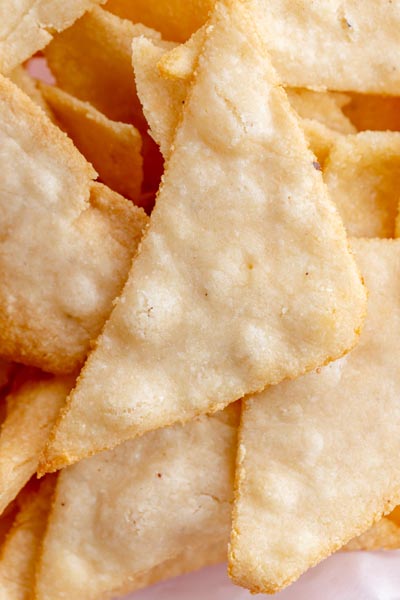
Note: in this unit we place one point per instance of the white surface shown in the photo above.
(352, 576)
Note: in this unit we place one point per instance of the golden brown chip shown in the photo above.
(318, 457)
(113, 148)
(362, 173)
(20, 551)
(215, 274)
(93, 61)
(152, 508)
(26, 27)
(32, 409)
(176, 19)
(66, 243)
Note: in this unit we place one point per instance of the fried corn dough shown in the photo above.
(327, 45)
(162, 100)
(20, 551)
(318, 457)
(179, 63)
(176, 19)
(384, 535)
(149, 509)
(74, 236)
(92, 60)
(113, 148)
(28, 26)
(32, 410)
(215, 274)
(362, 173)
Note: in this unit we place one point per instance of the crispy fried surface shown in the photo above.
(317, 462)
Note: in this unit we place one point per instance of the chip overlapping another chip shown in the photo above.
(317, 458)
(240, 396)
(214, 276)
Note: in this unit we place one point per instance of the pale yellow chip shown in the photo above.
(318, 457)
(374, 112)
(384, 535)
(162, 100)
(66, 243)
(26, 83)
(28, 26)
(146, 510)
(176, 19)
(113, 148)
(319, 44)
(31, 413)
(362, 173)
(214, 278)
(20, 551)
(322, 117)
(179, 64)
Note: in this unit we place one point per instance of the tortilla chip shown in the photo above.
(32, 410)
(75, 237)
(384, 535)
(27, 84)
(26, 27)
(369, 112)
(181, 61)
(215, 274)
(326, 107)
(320, 45)
(322, 107)
(318, 457)
(113, 148)
(144, 511)
(362, 173)
(162, 100)
(176, 19)
(20, 551)
(191, 559)
(93, 61)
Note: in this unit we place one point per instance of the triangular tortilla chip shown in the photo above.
(32, 410)
(113, 148)
(209, 311)
(20, 551)
(362, 173)
(146, 510)
(66, 243)
(176, 19)
(26, 27)
(318, 457)
(92, 60)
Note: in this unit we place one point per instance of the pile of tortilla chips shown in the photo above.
(199, 290)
